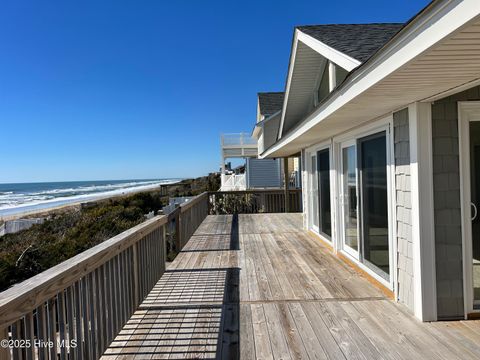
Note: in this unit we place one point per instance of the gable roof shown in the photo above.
(359, 41)
(270, 102)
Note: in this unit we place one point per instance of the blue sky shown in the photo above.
(143, 89)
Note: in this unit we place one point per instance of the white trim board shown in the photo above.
(423, 229)
(335, 56)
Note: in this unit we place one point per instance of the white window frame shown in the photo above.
(384, 124)
(341, 213)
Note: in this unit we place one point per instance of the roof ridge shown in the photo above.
(351, 24)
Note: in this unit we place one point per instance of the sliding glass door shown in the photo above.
(364, 201)
(325, 215)
(349, 198)
(314, 217)
(319, 208)
(374, 197)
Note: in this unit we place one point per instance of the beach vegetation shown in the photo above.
(67, 233)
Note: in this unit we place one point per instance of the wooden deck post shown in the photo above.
(4, 350)
(285, 182)
(178, 235)
(136, 297)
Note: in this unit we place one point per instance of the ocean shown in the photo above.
(25, 197)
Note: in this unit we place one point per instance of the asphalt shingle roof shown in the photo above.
(270, 102)
(359, 41)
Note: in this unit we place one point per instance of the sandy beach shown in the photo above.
(42, 208)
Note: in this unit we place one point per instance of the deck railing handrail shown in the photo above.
(27, 295)
(254, 201)
(238, 139)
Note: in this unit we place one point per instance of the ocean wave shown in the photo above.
(73, 194)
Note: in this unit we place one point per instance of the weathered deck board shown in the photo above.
(257, 286)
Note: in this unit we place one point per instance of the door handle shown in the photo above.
(475, 211)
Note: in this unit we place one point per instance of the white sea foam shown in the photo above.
(12, 203)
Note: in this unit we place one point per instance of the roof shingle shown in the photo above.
(359, 41)
(270, 102)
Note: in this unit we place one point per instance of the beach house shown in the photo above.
(259, 173)
(383, 236)
(386, 118)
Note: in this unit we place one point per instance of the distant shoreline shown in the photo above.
(43, 208)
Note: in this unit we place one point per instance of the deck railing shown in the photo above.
(75, 309)
(186, 218)
(254, 201)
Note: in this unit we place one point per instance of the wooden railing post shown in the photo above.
(286, 181)
(178, 236)
(135, 276)
(4, 349)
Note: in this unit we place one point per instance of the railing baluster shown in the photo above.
(92, 314)
(79, 334)
(30, 336)
(136, 279)
(61, 324)
(52, 327)
(42, 331)
(108, 289)
(16, 330)
(70, 320)
(85, 317)
(4, 350)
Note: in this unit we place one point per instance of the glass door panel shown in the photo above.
(349, 199)
(314, 193)
(374, 199)
(323, 157)
(475, 203)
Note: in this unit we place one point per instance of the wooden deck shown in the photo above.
(257, 286)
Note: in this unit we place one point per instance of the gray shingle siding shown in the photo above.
(403, 208)
(447, 211)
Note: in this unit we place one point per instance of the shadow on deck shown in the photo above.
(193, 311)
(257, 286)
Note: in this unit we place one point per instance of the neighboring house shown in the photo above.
(269, 113)
(387, 120)
(258, 174)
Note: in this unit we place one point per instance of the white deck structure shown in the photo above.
(239, 145)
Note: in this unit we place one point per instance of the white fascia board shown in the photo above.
(335, 56)
(261, 124)
(289, 80)
(436, 23)
(257, 130)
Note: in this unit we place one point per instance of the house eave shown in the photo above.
(389, 70)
